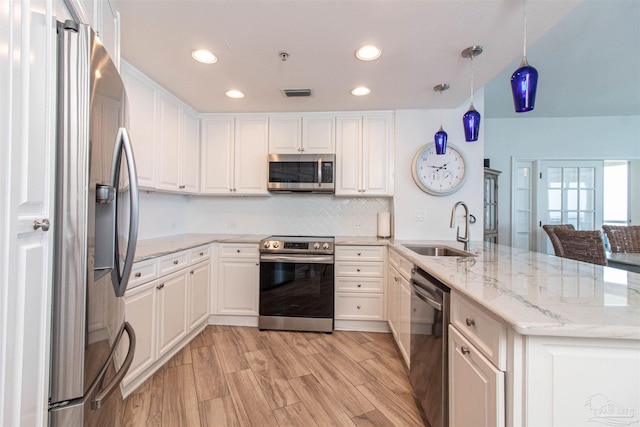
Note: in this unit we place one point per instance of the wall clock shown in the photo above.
(439, 175)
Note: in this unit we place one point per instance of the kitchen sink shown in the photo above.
(431, 250)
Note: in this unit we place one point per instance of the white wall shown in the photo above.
(415, 128)
(575, 138)
(162, 214)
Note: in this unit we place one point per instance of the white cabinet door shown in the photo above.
(217, 160)
(365, 155)
(476, 387)
(172, 310)
(27, 153)
(190, 161)
(168, 144)
(393, 304)
(251, 153)
(109, 29)
(318, 134)
(285, 135)
(142, 119)
(140, 307)
(376, 155)
(238, 286)
(348, 155)
(199, 293)
(404, 319)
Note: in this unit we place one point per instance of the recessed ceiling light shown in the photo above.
(368, 53)
(204, 56)
(233, 93)
(361, 91)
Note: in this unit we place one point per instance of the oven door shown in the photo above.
(296, 286)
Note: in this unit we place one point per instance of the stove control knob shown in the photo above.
(267, 244)
(316, 246)
(325, 246)
(276, 245)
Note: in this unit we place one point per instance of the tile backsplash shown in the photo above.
(291, 214)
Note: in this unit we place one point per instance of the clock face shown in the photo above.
(439, 175)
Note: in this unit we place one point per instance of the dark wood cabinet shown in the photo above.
(491, 205)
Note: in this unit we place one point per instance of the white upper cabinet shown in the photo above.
(234, 155)
(105, 21)
(296, 134)
(178, 147)
(364, 159)
(164, 134)
(142, 118)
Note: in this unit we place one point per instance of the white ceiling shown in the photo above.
(421, 41)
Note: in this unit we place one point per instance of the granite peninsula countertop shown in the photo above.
(533, 293)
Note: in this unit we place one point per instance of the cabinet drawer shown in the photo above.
(173, 262)
(487, 333)
(359, 284)
(359, 306)
(360, 253)
(143, 272)
(239, 250)
(359, 269)
(199, 254)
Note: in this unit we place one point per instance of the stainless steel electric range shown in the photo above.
(296, 283)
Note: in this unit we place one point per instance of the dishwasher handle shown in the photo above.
(424, 296)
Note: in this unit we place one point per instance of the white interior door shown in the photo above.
(570, 192)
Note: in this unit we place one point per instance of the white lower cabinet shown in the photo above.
(359, 284)
(476, 387)
(477, 365)
(399, 302)
(166, 309)
(238, 279)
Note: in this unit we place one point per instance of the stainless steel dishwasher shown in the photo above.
(428, 357)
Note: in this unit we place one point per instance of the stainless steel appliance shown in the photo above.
(96, 229)
(302, 172)
(429, 350)
(296, 283)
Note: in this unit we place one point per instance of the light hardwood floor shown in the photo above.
(237, 376)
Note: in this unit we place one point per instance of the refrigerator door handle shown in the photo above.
(123, 143)
(104, 393)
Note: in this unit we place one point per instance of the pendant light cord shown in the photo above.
(472, 77)
(524, 49)
(441, 108)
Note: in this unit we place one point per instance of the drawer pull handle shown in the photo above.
(175, 262)
(160, 286)
(359, 253)
(359, 285)
(358, 307)
(238, 250)
(470, 321)
(201, 253)
(358, 270)
(191, 272)
(465, 350)
(138, 274)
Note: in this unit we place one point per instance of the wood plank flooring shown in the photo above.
(239, 376)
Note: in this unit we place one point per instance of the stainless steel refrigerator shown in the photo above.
(96, 229)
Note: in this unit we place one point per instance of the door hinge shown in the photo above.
(540, 175)
(540, 224)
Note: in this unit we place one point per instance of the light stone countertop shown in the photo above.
(152, 248)
(533, 293)
(539, 294)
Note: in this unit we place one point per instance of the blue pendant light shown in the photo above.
(524, 80)
(471, 119)
(440, 138)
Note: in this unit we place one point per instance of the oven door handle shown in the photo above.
(298, 259)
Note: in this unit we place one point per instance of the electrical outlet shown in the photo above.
(420, 215)
(357, 225)
(232, 225)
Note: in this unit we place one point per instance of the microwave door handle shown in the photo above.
(320, 172)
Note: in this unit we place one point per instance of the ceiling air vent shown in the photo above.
(291, 93)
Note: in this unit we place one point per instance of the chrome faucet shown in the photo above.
(466, 239)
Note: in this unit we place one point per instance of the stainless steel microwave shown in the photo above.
(302, 172)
